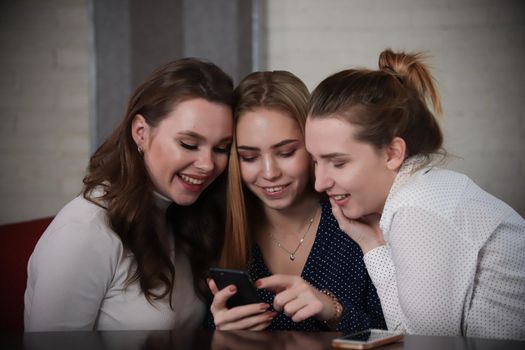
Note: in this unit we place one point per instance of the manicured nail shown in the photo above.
(258, 283)
(232, 289)
(263, 306)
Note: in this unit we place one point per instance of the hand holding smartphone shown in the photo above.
(366, 339)
(246, 291)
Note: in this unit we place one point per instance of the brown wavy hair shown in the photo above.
(390, 102)
(118, 169)
(279, 90)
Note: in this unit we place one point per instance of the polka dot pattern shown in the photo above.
(454, 263)
(335, 263)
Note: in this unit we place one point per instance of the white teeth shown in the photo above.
(340, 197)
(274, 189)
(191, 180)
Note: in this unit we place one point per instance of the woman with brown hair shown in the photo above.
(280, 229)
(445, 256)
(132, 251)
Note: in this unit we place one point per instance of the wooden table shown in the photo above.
(222, 340)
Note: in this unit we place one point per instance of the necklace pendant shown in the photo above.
(292, 257)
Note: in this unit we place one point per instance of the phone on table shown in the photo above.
(246, 291)
(366, 339)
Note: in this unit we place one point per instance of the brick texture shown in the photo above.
(44, 105)
(477, 53)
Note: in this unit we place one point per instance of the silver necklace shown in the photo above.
(290, 253)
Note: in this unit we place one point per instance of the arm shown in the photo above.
(382, 272)
(426, 252)
(68, 275)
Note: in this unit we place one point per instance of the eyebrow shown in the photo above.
(202, 138)
(332, 155)
(277, 145)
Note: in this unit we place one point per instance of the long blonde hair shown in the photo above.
(279, 90)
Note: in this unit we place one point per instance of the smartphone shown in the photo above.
(366, 339)
(246, 291)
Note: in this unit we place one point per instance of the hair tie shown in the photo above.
(391, 71)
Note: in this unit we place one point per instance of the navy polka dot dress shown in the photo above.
(335, 263)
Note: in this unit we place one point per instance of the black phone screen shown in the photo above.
(246, 291)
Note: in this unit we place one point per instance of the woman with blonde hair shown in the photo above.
(132, 251)
(310, 275)
(445, 256)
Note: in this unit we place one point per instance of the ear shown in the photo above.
(395, 153)
(140, 130)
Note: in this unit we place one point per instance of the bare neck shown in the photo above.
(292, 219)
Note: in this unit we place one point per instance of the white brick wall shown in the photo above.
(44, 98)
(478, 55)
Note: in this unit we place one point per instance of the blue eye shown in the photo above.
(188, 146)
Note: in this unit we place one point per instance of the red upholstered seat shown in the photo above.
(17, 242)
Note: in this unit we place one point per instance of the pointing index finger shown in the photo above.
(275, 283)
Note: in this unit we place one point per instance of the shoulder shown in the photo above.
(449, 198)
(433, 187)
(81, 227)
(430, 189)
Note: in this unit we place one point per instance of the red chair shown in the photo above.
(17, 242)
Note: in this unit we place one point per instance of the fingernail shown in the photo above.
(264, 306)
(232, 289)
(258, 283)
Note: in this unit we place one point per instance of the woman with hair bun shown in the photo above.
(445, 256)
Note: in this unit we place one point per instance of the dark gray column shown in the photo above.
(220, 31)
(133, 37)
(111, 62)
(156, 35)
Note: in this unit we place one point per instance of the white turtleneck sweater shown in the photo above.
(77, 273)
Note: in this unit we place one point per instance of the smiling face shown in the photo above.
(273, 159)
(355, 174)
(187, 150)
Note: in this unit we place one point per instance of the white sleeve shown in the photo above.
(431, 275)
(382, 272)
(68, 276)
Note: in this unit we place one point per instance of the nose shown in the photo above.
(322, 181)
(204, 161)
(271, 169)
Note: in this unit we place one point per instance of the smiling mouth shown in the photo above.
(340, 197)
(274, 189)
(191, 180)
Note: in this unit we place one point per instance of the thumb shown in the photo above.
(342, 220)
(212, 286)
